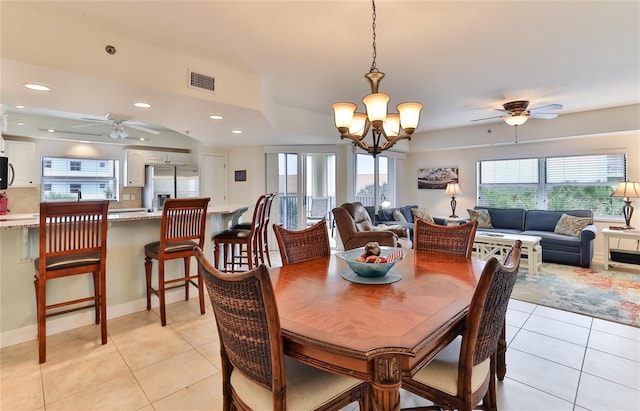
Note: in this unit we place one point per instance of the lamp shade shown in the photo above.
(358, 124)
(392, 125)
(343, 114)
(376, 106)
(516, 120)
(453, 189)
(627, 189)
(409, 115)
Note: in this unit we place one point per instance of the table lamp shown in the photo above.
(453, 190)
(627, 190)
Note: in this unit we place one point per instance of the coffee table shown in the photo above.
(488, 243)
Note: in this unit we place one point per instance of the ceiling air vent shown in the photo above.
(201, 81)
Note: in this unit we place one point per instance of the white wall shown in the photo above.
(465, 159)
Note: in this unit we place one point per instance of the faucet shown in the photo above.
(79, 195)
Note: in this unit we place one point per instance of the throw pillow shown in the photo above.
(571, 225)
(482, 216)
(422, 213)
(397, 216)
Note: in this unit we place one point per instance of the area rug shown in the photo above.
(612, 295)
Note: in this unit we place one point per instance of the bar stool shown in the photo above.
(73, 241)
(182, 228)
(240, 246)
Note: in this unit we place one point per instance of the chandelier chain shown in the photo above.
(373, 29)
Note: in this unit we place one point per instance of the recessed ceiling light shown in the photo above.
(216, 117)
(236, 131)
(142, 138)
(37, 87)
(19, 123)
(141, 104)
(19, 106)
(51, 130)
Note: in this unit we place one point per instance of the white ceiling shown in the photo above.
(279, 65)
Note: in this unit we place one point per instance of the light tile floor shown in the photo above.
(555, 361)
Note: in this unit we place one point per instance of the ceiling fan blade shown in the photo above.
(547, 107)
(546, 116)
(502, 111)
(486, 118)
(145, 129)
(86, 125)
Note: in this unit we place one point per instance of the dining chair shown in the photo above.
(183, 227)
(72, 241)
(456, 239)
(256, 375)
(262, 249)
(302, 245)
(240, 246)
(463, 374)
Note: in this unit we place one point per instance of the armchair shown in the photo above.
(356, 229)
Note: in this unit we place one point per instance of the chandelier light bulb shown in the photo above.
(409, 115)
(343, 114)
(358, 124)
(392, 125)
(376, 106)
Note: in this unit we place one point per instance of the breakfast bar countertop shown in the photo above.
(31, 220)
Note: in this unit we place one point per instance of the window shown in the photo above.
(63, 178)
(553, 183)
(374, 177)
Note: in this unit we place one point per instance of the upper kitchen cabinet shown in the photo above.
(24, 170)
(166, 157)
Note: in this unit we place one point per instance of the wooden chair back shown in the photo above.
(456, 239)
(183, 219)
(302, 245)
(73, 235)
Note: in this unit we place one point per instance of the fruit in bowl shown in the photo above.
(366, 263)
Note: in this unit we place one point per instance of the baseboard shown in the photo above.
(82, 318)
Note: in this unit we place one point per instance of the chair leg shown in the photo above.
(41, 306)
(186, 278)
(103, 305)
(163, 311)
(96, 294)
(201, 291)
(148, 265)
(216, 254)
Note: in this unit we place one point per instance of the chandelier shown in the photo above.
(392, 126)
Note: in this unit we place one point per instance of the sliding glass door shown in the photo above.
(306, 187)
(374, 179)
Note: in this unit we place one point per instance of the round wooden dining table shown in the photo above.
(374, 332)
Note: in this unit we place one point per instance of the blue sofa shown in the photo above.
(556, 248)
(385, 216)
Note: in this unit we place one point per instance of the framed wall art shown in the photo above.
(240, 175)
(437, 178)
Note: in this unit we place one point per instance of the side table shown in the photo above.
(610, 234)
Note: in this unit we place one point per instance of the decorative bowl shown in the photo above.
(370, 269)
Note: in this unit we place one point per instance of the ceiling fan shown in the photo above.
(119, 122)
(516, 112)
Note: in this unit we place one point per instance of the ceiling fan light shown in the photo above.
(376, 106)
(516, 120)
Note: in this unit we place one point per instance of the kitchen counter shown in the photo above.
(30, 220)
(129, 231)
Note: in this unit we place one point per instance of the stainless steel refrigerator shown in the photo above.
(164, 181)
